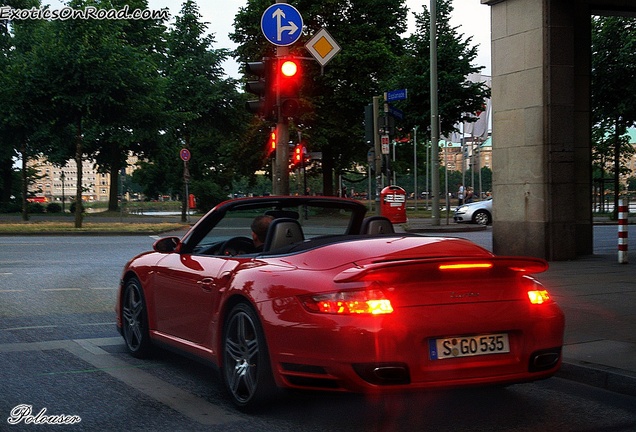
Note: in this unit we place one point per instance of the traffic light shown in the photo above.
(271, 146)
(298, 157)
(262, 87)
(289, 75)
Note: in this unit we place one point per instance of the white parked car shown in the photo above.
(479, 212)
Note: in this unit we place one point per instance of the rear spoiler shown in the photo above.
(525, 265)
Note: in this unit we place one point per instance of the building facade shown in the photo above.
(58, 184)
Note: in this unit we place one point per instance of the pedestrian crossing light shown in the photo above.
(271, 148)
(298, 157)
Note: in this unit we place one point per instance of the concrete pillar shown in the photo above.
(541, 145)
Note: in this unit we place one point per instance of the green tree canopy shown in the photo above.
(613, 81)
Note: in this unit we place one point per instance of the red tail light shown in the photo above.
(362, 302)
(538, 296)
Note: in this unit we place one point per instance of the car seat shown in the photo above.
(374, 225)
(283, 232)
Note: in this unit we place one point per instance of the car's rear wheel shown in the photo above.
(135, 319)
(247, 372)
(482, 217)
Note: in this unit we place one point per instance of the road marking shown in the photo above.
(91, 351)
(98, 324)
(12, 290)
(61, 289)
(28, 328)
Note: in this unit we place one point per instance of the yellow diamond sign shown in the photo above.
(322, 46)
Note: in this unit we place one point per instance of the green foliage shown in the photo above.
(458, 98)
(374, 59)
(10, 207)
(35, 208)
(613, 80)
(106, 88)
(369, 33)
(53, 208)
(73, 207)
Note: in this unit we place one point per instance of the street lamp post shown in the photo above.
(62, 177)
(434, 115)
(415, 166)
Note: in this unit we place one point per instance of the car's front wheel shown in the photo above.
(482, 217)
(134, 319)
(246, 368)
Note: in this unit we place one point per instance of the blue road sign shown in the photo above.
(397, 113)
(396, 95)
(282, 24)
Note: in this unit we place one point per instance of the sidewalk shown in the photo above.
(598, 297)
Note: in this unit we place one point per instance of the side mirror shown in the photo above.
(165, 245)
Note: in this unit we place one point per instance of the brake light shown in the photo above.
(538, 296)
(361, 302)
(465, 266)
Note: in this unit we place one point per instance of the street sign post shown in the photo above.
(282, 24)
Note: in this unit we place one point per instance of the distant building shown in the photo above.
(462, 158)
(55, 183)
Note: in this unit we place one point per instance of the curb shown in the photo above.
(605, 377)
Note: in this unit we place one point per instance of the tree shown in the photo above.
(22, 126)
(459, 98)
(613, 78)
(204, 106)
(369, 33)
(374, 59)
(135, 127)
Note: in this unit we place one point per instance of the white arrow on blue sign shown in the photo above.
(282, 24)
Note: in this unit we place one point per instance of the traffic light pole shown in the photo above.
(281, 172)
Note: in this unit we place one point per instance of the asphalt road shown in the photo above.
(59, 352)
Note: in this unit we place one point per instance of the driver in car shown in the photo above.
(259, 227)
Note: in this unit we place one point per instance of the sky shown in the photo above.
(471, 16)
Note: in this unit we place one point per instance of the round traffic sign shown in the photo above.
(282, 24)
(185, 154)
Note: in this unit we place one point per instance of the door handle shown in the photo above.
(206, 284)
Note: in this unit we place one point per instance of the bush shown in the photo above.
(35, 207)
(10, 207)
(72, 208)
(53, 208)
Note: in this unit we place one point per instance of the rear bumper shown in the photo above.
(392, 352)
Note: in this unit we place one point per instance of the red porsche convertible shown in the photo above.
(338, 301)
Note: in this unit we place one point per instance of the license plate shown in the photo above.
(466, 346)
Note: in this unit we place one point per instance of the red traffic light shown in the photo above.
(289, 83)
(289, 68)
